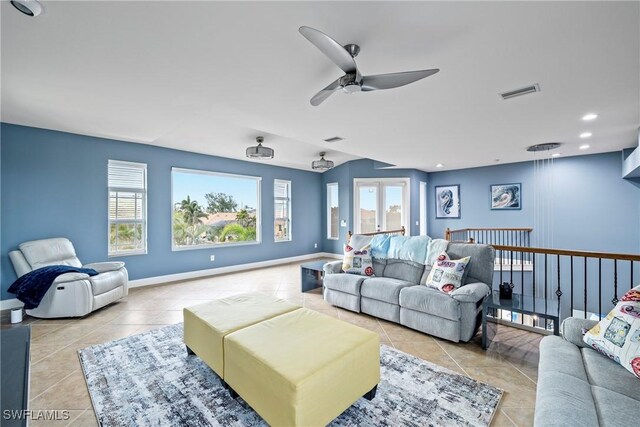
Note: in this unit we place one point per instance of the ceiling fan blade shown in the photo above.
(319, 97)
(389, 81)
(331, 48)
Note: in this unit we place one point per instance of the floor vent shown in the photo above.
(522, 91)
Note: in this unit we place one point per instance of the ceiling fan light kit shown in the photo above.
(322, 164)
(259, 151)
(353, 81)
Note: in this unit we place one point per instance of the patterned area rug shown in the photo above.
(148, 379)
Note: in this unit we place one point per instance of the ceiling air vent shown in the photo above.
(333, 139)
(519, 92)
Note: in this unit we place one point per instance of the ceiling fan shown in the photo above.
(353, 81)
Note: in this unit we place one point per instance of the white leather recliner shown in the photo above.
(72, 294)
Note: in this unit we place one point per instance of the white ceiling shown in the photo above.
(210, 76)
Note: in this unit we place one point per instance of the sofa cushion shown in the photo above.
(404, 270)
(563, 399)
(560, 356)
(615, 409)
(379, 265)
(608, 374)
(383, 289)
(480, 269)
(430, 301)
(343, 282)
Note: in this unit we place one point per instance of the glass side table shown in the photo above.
(523, 304)
(312, 275)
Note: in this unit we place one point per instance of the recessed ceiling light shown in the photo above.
(590, 116)
(585, 134)
(584, 146)
(556, 155)
(28, 7)
(439, 165)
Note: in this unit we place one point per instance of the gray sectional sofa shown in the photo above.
(395, 293)
(580, 387)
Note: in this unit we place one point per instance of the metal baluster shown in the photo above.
(615, 282)
(585, 287)
(546, 270)
(522, 275)
(558, 291)
(631, 275)
(600, 288)
(500, 266)
(533, 282)
(511, 268)
(571, 312)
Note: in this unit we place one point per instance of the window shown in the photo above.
(214, 209)
(282, 210)
(381, 204)
(333, 211)
(127, 208)
(423, 208)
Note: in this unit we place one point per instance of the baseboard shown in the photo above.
(8, 304)
(157, 280)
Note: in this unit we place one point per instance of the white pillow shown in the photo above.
(357, 259)
(446, 274)
(617, 336)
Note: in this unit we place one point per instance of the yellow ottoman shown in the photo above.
(206, 325)
(302, 368)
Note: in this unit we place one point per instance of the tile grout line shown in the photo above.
(454, 360)
(508, 417)
(526, 376)
(385, 333)
(31, 399)
(76, 418)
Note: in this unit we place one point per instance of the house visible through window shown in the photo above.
(282, 210)
(333, 211)
(214, 209)
(127, 208)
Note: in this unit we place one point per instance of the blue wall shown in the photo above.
(365, 168)
(593, 207)
(55, 184)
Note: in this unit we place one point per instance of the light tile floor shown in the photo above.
(57, 381)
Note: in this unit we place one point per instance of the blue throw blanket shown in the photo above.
(31, 287)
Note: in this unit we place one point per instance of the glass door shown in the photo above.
(368, 209)
(381, 204)
(393, 206)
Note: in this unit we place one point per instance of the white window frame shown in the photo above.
(258, 240)
(380, 183)
(288, 200)
(329, 203)
(423, 209)
(143, 221)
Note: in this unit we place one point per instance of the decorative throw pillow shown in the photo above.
(446, 274)
(617, 336)
(357, 260)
